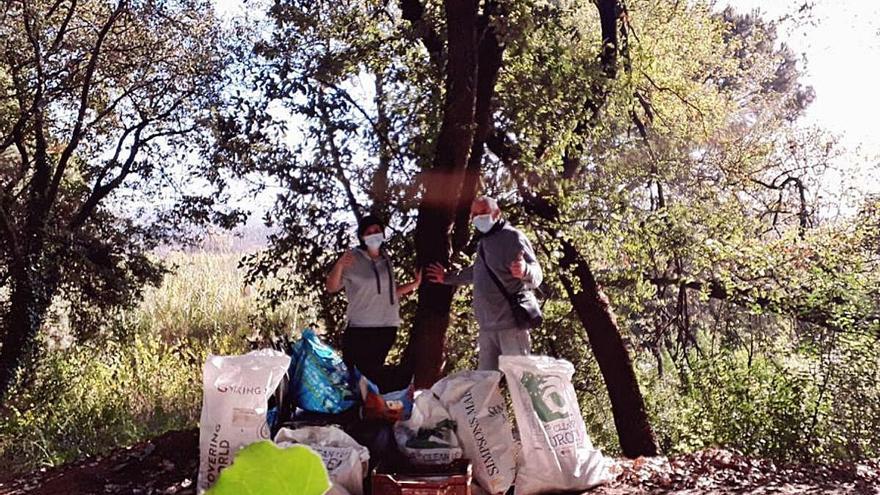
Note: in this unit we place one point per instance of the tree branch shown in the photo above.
(330, 129)
(62, 30)
(675, 93)
(76, 133)
(414, 12)
(379, 184)
(375, 125)
(112, 106)
(101, 190)
(41, 147)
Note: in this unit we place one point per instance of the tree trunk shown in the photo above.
(442, 186)
(594, 310)
(490, 57)
(28, 304)
(597, 317)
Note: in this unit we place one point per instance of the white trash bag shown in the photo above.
(236, 392)
(474, 401)
(428, 436)
(557, 452)
(346, 460)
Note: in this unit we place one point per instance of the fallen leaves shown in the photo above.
(728, 471)
(167, 465)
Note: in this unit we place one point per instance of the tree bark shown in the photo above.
(597, 317)
(29, 301)
(490, 57)
(594, 311)
(441, 189)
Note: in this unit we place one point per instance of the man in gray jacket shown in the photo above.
(509, 254)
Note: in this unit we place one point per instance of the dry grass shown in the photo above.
(144, 378)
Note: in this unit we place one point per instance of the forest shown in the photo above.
(175, 183)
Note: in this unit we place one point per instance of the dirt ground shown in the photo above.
(168, 465)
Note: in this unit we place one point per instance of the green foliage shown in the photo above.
(704, 208)
(142, 379)
(107, 108)
(759, 407)
(264, 468)
(771, 401)
(90, 398)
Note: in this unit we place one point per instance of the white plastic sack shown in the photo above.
(428, 436)
(474, 401)
(557, 452)
(346, 460)
(236, 392)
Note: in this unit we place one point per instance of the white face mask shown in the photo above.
(483, 223)
(374, 241)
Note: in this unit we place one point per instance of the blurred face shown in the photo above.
(373, 229)
(482, 208)
(373, 237)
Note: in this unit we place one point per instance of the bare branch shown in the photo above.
(101, 190)
(112, 106)
(115, 159)
(76, 133)
(329, 129)
(375, 125)
(62, 30)
(675, 93)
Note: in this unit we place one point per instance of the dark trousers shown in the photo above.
(366, 348)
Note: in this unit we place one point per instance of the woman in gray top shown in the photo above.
(373, 314)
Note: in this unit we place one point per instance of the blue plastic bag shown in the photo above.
(319, 380)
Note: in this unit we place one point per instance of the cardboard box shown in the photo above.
(452, 479)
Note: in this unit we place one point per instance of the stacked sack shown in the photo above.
(560, 456)
(474, 400)
(236, 391)
(428, 436)
(346, 460)
(462, 416)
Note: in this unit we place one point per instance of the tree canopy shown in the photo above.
(96, 96)
(654, 151)
(652, 148)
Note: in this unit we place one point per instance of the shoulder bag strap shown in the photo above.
(493, 276)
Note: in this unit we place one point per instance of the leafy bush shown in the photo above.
(142, 377)
(778, 403)
(789, 395)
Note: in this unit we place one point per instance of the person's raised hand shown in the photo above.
(518, 266)
(436, 273)
(345, 261)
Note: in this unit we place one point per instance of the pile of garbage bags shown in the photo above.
(342, 415)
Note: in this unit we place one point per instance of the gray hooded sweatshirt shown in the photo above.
(500, 246)
(370, 290)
